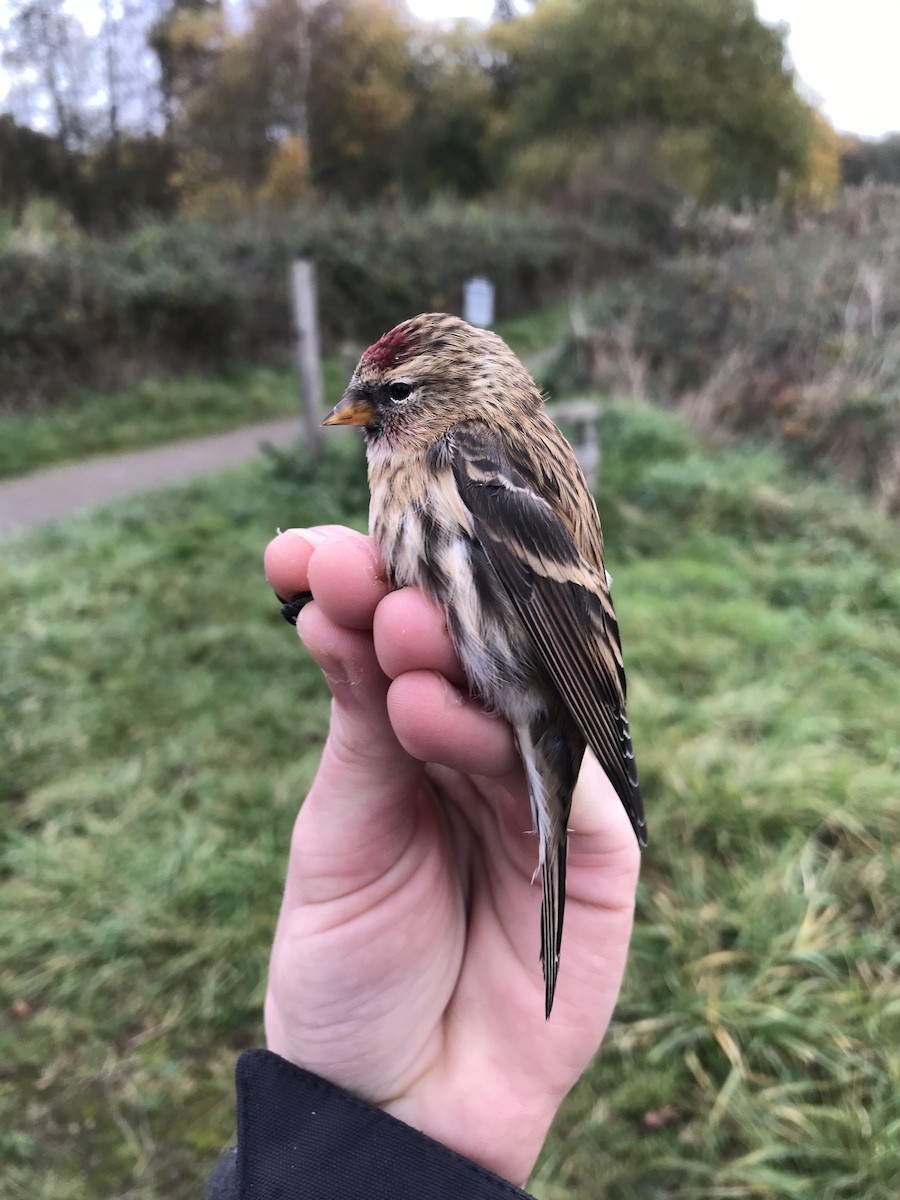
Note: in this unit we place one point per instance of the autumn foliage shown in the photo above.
(571, 102)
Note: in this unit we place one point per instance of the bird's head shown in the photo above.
(427, 375)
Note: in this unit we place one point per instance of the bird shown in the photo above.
(478, 499)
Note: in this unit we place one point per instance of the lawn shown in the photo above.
(156, 411)
(161, 728)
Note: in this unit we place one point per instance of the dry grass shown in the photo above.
(783, 330)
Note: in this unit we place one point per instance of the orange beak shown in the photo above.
(354, 409)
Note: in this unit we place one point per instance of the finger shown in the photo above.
(411, 635)
(357, 817)
(436, 722)
(347, 578)
(286, 558)
(361, 730)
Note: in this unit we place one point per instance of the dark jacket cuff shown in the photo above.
(302, 1138)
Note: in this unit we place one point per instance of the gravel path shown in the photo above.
(74, 487)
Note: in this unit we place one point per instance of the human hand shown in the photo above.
(405, 966)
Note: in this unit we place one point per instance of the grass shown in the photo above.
(157, 411)
(152, 413)
(162, 728)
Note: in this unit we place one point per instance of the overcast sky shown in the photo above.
(845, 51)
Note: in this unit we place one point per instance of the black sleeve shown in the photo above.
(302, 1138)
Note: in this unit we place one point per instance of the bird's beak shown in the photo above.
(354, 409)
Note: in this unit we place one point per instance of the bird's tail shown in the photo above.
(553, 878)
(551, 756)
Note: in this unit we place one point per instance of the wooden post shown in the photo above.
(582, 416)
(309, 366)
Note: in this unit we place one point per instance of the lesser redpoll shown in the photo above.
(478, 499)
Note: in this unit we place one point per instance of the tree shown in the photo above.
(446, 143)
(185, 41)
(871, 161)
(35, 165)
(704, 76)
(51, 64)
(817, 186)
(357, 114)
(337, 78)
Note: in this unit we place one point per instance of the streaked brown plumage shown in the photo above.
(478, 499)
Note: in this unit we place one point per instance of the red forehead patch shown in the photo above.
(390, 349)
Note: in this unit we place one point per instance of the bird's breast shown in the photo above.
(428, 540)
(416, 515)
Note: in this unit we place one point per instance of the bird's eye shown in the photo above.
(399, 392)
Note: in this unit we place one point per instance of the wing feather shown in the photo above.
(562, 599)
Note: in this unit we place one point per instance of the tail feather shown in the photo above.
(553, 878)
(551, 755)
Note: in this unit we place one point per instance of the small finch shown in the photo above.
(478, 499)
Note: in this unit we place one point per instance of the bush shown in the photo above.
(789, 331)
(193, 295)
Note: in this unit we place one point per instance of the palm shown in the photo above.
(405, 966)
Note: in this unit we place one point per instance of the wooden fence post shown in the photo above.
(309, 365)
(581, 416)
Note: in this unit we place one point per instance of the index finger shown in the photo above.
(286, 558)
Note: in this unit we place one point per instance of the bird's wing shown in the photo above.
(563, 601)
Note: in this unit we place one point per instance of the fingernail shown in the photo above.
(454, 695)
(315, 535)
(312, 537)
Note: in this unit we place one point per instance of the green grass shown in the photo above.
(162, 727)
(158, 411)
(150, 414)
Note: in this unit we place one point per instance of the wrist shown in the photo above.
(501, 1131)
(294, 1126)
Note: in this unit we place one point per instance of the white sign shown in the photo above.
(478, 302)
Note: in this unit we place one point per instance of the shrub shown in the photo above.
(191, 294)
(763, 326)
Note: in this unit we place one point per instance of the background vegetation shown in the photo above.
(192, 295)
(157, 179)
(154, 411)
(173, 105)
(784, 329)
(713, 247)
(157, 744)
